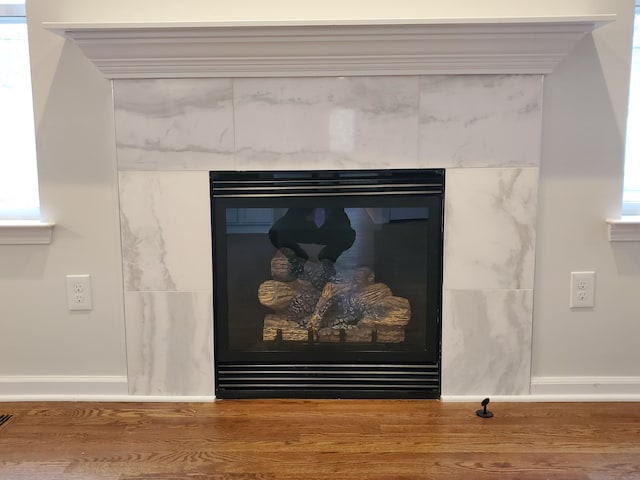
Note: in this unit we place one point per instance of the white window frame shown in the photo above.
(22, 232)
(627, 227)
(631, 200)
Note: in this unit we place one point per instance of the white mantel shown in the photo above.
(523, 45)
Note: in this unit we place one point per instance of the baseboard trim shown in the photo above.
(108, 398)
(61, 385)
(542, 398)
(585, 385)
(81, 388)
(568, 389)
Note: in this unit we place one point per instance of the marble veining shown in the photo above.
(490, 218)
(169, 343)
(486, 342)
(173, 124)
(480, 121)
(166, 231)
(484, 129)
(326, 123)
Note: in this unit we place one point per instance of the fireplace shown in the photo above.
(462, 95)
(327, 284)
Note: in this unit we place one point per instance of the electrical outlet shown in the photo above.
(79, 292)
(583, 289)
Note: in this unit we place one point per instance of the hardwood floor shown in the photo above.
(319, 439)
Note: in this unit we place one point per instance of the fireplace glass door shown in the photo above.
(327, 284)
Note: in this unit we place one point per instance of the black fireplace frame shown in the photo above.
(351, 371)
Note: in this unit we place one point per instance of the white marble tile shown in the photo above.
(173, 124)
(480, 120)
(166, 231)
(330, 123)
(169, 343)
(490, 220)
(486, 342)
(326, 123)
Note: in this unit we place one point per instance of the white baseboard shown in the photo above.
(47, 385)
(585, 386)
(568, 389)
(80, 388)
(108, 398)
(476, 399)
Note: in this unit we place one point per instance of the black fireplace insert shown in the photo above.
(327, 284)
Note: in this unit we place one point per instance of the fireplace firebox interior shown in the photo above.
(327, 284)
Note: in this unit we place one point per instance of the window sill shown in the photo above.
(25, 232)
(625, 229)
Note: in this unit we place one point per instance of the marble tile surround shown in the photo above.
(484, 129)
(483, 323)
(155, 213)
(181, 324)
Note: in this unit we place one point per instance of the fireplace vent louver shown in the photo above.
(299, 380)
(326, 183)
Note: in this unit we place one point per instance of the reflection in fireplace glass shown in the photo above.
(349, 274)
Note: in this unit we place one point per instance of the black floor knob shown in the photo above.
(484, 413)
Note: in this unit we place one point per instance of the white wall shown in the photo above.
(78, 191)
(581, 178)
(584, 123)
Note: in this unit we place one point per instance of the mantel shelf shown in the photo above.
(526, 45)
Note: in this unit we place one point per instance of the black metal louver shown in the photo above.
(293, 380)
(326, 183)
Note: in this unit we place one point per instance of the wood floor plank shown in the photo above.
(319, 439)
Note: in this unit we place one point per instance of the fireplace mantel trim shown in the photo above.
(525, 45)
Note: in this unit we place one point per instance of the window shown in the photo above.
(631, 196)
(18, 170)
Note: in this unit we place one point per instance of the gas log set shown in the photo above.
(313, 302)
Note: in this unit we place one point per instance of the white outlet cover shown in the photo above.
(582, 290)
(79, 292)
